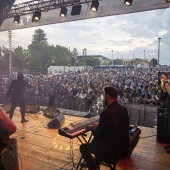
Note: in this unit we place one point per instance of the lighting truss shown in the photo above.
(43, 5)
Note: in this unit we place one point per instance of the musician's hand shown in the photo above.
(95, 123)
(164, 77)
(88, 127)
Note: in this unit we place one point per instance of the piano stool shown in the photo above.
(109, 162)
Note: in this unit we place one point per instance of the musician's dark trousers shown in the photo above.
(1, 165)
(14, 104)
(87, 150)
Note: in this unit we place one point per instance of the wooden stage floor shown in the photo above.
(43, 148)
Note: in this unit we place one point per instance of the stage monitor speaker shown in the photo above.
(134, 135)
(10, 158)
(51, 112)
(162, 134)
(57, 121)
(32, 108)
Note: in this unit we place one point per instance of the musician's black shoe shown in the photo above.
(24, 120)
(167, 147)
(167, 150)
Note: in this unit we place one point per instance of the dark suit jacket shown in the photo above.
(113, 130)
(17, 88)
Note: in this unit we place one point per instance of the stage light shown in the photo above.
(76, 10)
(16, 19)
(63, 12)
(128, 2)
(167, 0)
(94, 5)
(36, 16)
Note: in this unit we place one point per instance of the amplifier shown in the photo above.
(162, 134)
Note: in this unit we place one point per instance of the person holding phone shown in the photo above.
(166, 89)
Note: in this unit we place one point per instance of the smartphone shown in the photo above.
(133, 129)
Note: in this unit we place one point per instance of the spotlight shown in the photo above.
(36, 16)
(94, 5)
(63, 12)
(76, 10)
(128, 2)
(16, 19)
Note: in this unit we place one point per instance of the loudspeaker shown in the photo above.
(51, 112)
(57, 121)
(32, 108)
(162, 134)
(134, 136)
(10, 158)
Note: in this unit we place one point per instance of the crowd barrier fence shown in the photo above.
(139, 114)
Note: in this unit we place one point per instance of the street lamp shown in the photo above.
(144, 53)
(159, 48)
(112, 55)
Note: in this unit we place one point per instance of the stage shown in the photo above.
(43, 148)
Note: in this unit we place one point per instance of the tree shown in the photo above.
(40, 56)
(153, 62)
(90, 61)
(20, 61)
(39, 35)
(4, 61)
(118, 62)
(62, 57)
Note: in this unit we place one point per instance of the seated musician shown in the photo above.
(111, 136)
(7, 128)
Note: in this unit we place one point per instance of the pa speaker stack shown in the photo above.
(162, 134)
(10, 157)
(57, 118)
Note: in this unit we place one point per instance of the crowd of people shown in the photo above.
(138, 85)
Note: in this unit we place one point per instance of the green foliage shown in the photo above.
(89, 61)
(4, 61)
(153, 62)
(39, 35)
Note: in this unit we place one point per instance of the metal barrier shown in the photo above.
(146, 115)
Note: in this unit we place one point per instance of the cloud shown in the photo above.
(128, 35)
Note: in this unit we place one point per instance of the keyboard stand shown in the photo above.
(80, 160)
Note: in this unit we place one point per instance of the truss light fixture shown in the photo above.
(128, 2)
(16, 19)
(76, 10)
(63, 12)
(36, 16)
(94, 5)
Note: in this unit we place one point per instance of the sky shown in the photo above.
(129, 35)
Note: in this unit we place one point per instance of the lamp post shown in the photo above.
(159, 48)
(112, 55)
(144, 53)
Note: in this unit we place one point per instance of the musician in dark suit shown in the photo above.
(111, 136)
(17, 88)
